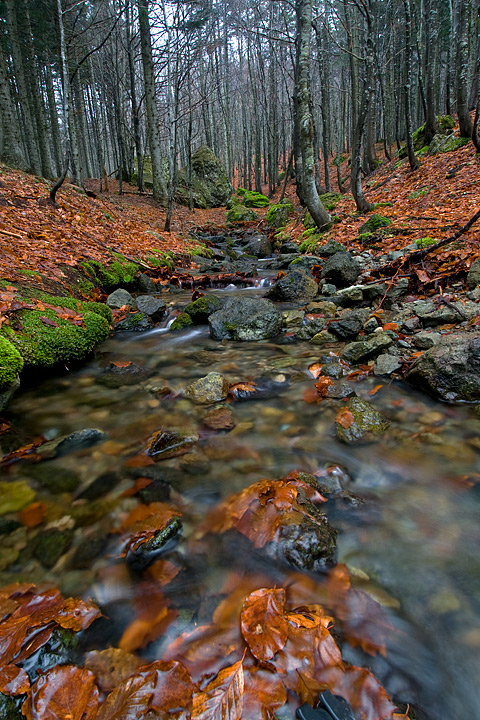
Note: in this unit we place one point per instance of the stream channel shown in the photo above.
(413, 544)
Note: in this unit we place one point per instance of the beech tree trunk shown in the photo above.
(11, 150)
(303, 117)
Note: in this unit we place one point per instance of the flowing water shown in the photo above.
(413, 544)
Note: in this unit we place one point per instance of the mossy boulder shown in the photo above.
(254, 199)
(199, 310)
(120, 272)
(11, 363)
(240, 213)
(210, 185)
(445, 124)
(181, 321)
(442, 144)
(278, 215)
(373, 224)
(134, 322)
(43, 339)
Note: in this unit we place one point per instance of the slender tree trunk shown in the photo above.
(52, 110)
(133, 98)
(68, 112)
(431, 126)
(412, 158)
(303, 117)
(159, 189)
(464, 119)
(11, 150)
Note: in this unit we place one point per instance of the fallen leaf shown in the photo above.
(222, 699)
(263, 624)
(375, 389)
(63, 692)
(33, 514)
(345, 418)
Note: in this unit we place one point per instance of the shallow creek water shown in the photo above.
(413, 544)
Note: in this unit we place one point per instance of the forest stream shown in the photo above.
(407, 511)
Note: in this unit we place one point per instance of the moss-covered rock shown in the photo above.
(43, 339)
(210, 186)
(445, 124)
(11, 363)
(278, 215)
(200, 309)
(181, 321)
(374, 223)
(442, 144)
(51, 544)
(240, 213)
(254, 199)
(118, 273)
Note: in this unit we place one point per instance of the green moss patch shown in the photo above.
(278, 215)
(240, 213)
(119, 273)
(11, 362)
(254, 199)
(43, 339)
(374, 223)
(181, 321)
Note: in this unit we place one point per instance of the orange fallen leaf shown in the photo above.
(375, 389)
(34, 514)
(345, 418)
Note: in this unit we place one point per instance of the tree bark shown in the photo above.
(412, 158)
(464, 119)
(11, 150)
(303, 119)
(159, 189)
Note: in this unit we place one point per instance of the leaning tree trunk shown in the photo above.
(303, 117)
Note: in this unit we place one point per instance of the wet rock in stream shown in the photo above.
(245, 319)
(295, 286)
(166, 443)
(207, 390)
(364, 424)
(78, 440)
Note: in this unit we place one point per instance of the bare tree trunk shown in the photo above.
(159, 189)
(11, 150)
(412, 158)
(464, 119)
(431, 126)
(303, 119)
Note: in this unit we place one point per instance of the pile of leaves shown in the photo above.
(264, 646)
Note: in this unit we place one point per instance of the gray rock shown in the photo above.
(349, 325)
(322, 338)
(328, 288)
(341, 269)
(350, 295)
(294, 286)
(391, 294)
(454, 312)
(305, 262)
(371, 325)
(306, 332)
(207, 390)
(119, 298)
(146, 284)
(331, 248)
(288, 246)
(410, 325)
(292, 318)
(78, 440)
(245, 319)
(324, 307)
(259, 245)
(367, 424)
(151, 306)
(386, 365)
(210, 184)
(450, 370)
(369, 348)
(134, 322)
(425, 340)
(474, 294)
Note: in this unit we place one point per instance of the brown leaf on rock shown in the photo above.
(222, 699)
(345, 418)
(162, 687)
(144, 522)
(263, 624)
(13, 680)
(64, 692)
(369, 700)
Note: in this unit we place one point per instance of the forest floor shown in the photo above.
(433, 202)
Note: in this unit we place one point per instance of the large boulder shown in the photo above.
(451, 370)
(341, 269)
(210, 184)
(295, 286)
(245, 319)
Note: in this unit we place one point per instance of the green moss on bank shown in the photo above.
(120, 273)
(11, 363)
(42, 339)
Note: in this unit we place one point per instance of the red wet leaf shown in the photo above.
(48, 321)
(263, 624)
(64, 692)
(163, 688)
(13, 680)
(33, 514)
(375, 389)
(345, 418)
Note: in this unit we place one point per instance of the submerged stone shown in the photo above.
(207, 390)
(78, 440)
(15, 495)
(166, 443)
(366, 425)
(245, 319)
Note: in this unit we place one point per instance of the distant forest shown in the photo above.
(132, 88)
